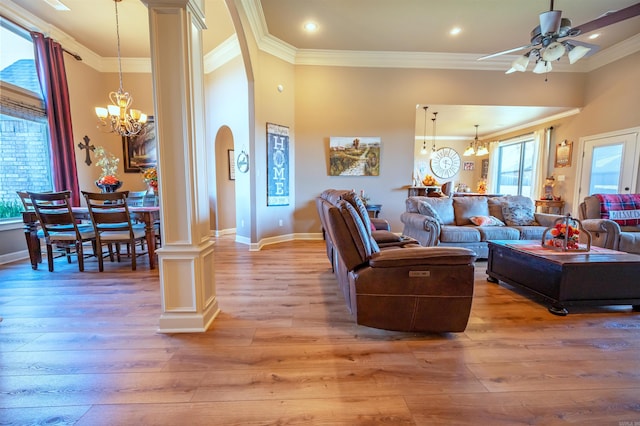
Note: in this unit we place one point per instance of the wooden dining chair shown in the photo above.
(61, 231)
(112, 224)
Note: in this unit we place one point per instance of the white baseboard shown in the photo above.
(14, 257)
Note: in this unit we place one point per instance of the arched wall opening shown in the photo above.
(223, 212)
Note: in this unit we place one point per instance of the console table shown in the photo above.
(547, 205)
(597, 278)
(415, 191)
(374, 209)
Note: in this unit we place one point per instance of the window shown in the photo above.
(24, 139)
(516, 162)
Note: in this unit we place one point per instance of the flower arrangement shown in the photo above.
(429, 181)
(150, 176)
(562, 231)
(109, 164)
(482, 187)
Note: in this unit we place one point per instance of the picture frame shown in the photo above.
(485, 169)
(139, 151)
(563, 154)
(232, 164)
(468, 165)
(354, 156)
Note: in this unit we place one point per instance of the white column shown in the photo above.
(186, 265)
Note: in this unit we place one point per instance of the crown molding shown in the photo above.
(225, 52)
(617, 51)
(278, 48)
(536, 123)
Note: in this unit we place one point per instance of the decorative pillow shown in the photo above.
(517, 214)
(621, 208)
(467, 207)
(426, 209)
(486, 221)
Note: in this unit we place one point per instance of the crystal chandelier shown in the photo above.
(117, 117)
(476, 147)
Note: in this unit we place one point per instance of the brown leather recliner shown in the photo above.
(379, 232)
(426, 289)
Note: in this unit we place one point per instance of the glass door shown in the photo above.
(609, 165)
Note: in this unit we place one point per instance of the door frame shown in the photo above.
(578, 197)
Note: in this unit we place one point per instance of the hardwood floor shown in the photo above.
(82, 348)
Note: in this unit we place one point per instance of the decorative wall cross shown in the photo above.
(88, 147)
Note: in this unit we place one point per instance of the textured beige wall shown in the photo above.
(335, 101)
(88, 89)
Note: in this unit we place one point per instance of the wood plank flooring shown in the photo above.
(82, 348)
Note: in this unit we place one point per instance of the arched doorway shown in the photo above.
(223, 214)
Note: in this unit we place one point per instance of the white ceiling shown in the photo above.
(415, 26)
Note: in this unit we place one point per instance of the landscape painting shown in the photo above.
(354, 156)
(140, 150)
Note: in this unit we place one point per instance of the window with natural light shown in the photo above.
(515, 167)
(24, 139)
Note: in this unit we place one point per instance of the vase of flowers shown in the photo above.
(482, 187)
(150, 177)
(108, 180)
(564, 235)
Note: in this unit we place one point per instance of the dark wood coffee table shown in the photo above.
(596, 278)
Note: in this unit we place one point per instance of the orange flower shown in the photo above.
(108, 180)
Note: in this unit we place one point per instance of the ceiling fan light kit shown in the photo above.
(547, 44)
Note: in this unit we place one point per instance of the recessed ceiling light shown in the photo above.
(311, 27)
(57, 5)
(455, 31)
(593, 36)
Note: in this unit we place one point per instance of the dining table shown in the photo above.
(146, 215)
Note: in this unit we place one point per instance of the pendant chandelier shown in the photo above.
(423, 151)
(476, 147)
(433, 141)
(117, 117)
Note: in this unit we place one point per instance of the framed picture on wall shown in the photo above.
(139, 151)
(485, 168)
(469, 165)
(563, 153)
(232, 164)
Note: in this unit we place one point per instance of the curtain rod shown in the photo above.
(75, 55)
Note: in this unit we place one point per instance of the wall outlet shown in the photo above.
(560, 178)
(280, 222)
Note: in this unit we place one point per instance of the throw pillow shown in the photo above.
(621, 208)
(426, 209)
(516, 214)
(486, 221)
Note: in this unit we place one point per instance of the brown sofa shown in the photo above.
(606, 232)
(403, 288)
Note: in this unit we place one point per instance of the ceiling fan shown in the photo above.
(549, 39)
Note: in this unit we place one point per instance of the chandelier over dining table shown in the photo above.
(119, 117)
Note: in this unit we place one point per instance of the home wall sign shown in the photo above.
(277, 165)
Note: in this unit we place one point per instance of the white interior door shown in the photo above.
(609, 165)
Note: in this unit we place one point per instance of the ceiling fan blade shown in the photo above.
(504, 52)
(550, 22)
(612, 18)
